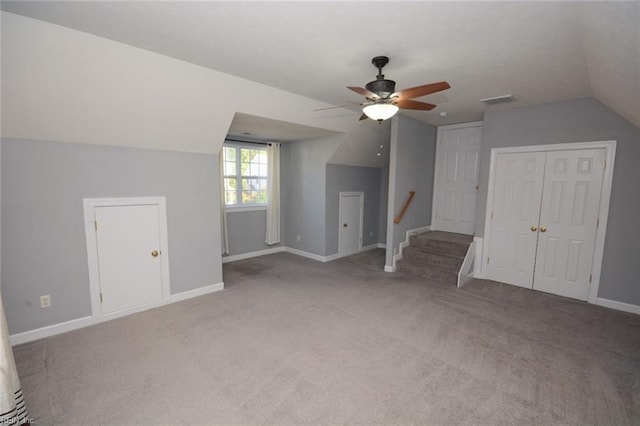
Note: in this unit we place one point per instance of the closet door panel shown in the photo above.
(515, 213)
(568, 221)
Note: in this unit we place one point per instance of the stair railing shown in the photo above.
(398, 218)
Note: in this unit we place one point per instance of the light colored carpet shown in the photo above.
(295, 341)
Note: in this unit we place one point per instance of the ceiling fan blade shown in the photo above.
(363, 117)
(427, 89)
(364, 92)
(409, 104)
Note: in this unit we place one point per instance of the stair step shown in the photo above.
(432, 258)
(439, 246)
(436, 256)
(444, 276)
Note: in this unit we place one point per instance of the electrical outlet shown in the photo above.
(45, 301)
(298, 238)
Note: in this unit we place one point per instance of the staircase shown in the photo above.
(436, 256)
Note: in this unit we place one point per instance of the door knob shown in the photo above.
(344, 225)
(543, 229)
(155, 253)
(534, 228)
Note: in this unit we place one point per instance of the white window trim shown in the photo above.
(246, 208)
(242, 207)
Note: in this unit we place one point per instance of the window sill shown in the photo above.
(235, 209)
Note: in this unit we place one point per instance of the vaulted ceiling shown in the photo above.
(538, 51)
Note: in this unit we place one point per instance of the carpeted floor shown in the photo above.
(295, 341)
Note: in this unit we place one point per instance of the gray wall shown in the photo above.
(43, 240)
(246, 231)
(303, 174)
(352, 178)
(411, 168)
(581, 120)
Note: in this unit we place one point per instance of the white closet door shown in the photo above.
(568, 222)
(129, 256)
(458, 153)
(351, 215)
(514, 217)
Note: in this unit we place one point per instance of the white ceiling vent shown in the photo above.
(499, 99)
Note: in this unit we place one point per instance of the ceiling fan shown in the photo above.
(382, 101)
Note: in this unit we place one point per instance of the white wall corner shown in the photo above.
(477, 264)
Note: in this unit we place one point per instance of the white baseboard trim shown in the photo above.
(619, 306)
(50, 330)
(63, 327)
(330, 257)
(317, 257)
(306, 254)
(242, 256)
(403, 244)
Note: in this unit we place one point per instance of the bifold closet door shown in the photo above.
(514, 217)
(568, 221)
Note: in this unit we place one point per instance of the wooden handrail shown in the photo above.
(405, 207)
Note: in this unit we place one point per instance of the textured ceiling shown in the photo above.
(538, 51)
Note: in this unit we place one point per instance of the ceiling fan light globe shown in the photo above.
(380, 112)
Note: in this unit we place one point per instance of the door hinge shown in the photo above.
(491, 215)
(604, 165)
(95, 224)
(590, 277)
(100, 297)
(488, 260)
(597, 222)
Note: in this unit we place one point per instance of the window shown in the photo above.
(245, 175)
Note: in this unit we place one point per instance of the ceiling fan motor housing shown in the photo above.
(381, 87)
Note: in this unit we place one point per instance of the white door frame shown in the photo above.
(603, 214)
(438, 166)
(92, 250)
(350, 194)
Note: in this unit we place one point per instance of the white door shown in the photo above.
(129, 256)
(568, 222)
(456, 178)
(351, 215)
(514, 217)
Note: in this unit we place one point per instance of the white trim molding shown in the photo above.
(601, 231)
(308, 255)
(249, 255)
(466, 274)
(89, 205)
(618, 306)
(403, 244)
(63, 327)
(477, 264)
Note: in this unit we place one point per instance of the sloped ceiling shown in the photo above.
(538, 51)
